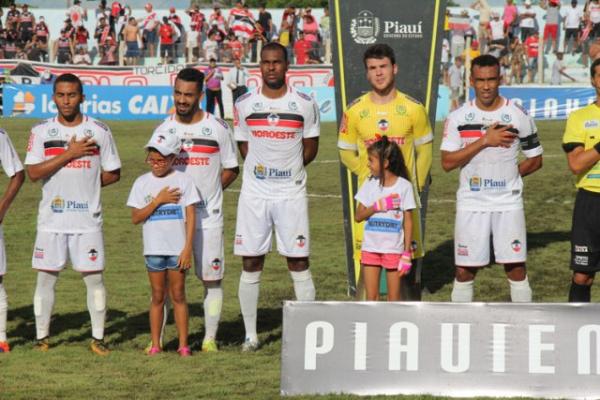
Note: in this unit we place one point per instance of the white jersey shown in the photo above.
(274, 130)
(71, 196)
(491, 180)
(207, 147)
(164, 230)
(384, 231)
(8, 156)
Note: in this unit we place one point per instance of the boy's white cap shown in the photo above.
(527, 2)
(165, 143)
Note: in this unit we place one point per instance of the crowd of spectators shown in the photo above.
(222, 36)
(517, 34)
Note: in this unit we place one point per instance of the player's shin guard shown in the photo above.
(43, 302)
(3, 312)
(580, 293)
(213, 303)
(520, 291)
(303, 285)
(96, 302)
(248, 295)
(462, 292)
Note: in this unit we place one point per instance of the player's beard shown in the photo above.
(275, 85)
(188, 114)
(386, 90)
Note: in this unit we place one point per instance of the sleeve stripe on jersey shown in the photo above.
(346, 146)
(424, 139)
(530, 142)
(569, 147)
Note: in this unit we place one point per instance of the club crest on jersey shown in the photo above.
(516, 245)
(52, 132)
(273, 119)
(400, 110)
(470, 116)
(171, 131)
(383, 124)
(206, 131)
(592, 123)
(364, 113)
(38, 253)
(88, 133)
(187, 144)
(300, 241)
(257, 106)
(239, 240)
(215, 264)
(57, 205)
(462, 250)
(475, 183)
(293, 106)
(93, 254)
(506, 118)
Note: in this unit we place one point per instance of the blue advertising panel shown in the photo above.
(549, 102)
(105, 102)
(121, 102)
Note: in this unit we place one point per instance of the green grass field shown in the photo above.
(69, 370)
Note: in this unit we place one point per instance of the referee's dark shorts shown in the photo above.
(585, 233)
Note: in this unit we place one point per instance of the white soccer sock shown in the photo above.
(462, 292)
(520, 291)
(43, 302)
(3, 312)
(213, 303)
(96, 302)
(303, 285)
(248, 295)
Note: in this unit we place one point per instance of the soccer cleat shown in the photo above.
(250, 345)
(99, 347)
(184, 351)
(152, 351)
(209, 346)
(42, 344)
(4, 347)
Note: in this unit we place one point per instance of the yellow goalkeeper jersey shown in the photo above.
(583, 129)
(404, 120)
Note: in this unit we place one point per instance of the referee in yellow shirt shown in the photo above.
(581, 142)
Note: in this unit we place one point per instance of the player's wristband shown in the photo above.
(597, 147)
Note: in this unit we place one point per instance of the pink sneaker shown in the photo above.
(184, 351)
(154, 351)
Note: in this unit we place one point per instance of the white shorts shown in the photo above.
(85, 250)
(472, 232)
(256, 218)
(209, 256)
(2, 252)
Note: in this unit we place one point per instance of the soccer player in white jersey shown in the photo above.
(483, 138)
(208, 156)
(277, 130)
(14, 170)
(74, 156)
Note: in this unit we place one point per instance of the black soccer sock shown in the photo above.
(580, 293)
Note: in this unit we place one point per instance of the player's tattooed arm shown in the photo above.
(310, 149)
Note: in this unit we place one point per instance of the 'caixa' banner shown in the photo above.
(125, 102)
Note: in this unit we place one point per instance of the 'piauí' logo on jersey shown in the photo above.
(57, 205)
(260, 171)
(383, 125)
(364, 28)
(273, 119)
(475, 183)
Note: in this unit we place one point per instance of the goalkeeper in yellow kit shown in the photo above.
(386, 111)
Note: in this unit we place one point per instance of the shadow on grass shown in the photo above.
(438, 266)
